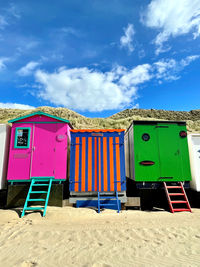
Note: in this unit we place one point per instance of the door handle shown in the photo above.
(33, 148)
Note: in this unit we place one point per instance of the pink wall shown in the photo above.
(47, 154)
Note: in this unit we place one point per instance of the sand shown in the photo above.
(81, 237)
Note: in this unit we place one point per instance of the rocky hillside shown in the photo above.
(118, 120)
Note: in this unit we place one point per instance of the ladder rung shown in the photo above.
(37, 199)
(174, 186)
(178, 201)
(176, 194)
(34, 208)
(38, 192)
(181, 209)
(107, 198)
(107, 204)
(40, 184)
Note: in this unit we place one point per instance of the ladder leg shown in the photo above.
(98, 202)
(117, 201)
(27, 198)
(47, 197)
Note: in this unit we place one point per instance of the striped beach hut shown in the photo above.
(97, 164)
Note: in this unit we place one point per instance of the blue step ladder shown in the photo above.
(102, 199)
(35, 183)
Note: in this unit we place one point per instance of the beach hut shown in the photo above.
(97, 168)
(38, 154)
(4, 147)
(194, 149)
(157, 151)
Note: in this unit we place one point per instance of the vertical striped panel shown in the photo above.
(86, 164)
(90, 164)
(111, 164)
(76, 164)
(105, 170)
(95, 164)
(99, 154)
(122, 164)
(83, 165)
(118, 164)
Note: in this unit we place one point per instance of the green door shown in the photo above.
(146, 153)
(169, 151)
(160, 153)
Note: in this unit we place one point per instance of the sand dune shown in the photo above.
(81, 237)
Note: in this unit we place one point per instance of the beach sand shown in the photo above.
(81, 237)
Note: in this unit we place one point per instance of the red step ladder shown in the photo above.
(172, 197)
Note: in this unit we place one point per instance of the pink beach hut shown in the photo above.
(38, 153)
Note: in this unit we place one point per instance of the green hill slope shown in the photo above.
(118, 120)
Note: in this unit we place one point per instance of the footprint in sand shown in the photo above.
(28, 264)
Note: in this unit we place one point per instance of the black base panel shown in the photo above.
(17, 194)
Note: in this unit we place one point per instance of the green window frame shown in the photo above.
(29, 134)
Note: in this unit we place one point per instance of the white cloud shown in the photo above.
(15, 106)
(92, 90)
(9, 14)
(168, 69)
(188, 60)
(172, 18)
(86, 89)
(127, 38)
(2, 62)
(28, 68)
(3, 22)
(13, 10)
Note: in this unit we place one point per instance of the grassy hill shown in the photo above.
(118, 120)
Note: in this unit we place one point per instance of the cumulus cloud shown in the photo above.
(93, 90)
(28, 68)
(172, 18)
(86, 89)
(15, 106)
(127, 39)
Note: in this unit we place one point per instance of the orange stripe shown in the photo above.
(90, 164)
(99, 164)
(83, 165)
(105, 169)
(111, 165)
(95, 164)
(76, 164)
(97, 130)
(118, 164)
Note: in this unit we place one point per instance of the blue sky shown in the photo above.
(98, 57)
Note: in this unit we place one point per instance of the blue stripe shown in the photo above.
(93, 162)
(102, 166)
(114, 163)
(86, 165)
(80, 164)
(105, 134)
(108, 161)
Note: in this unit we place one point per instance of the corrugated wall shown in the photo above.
(97, 161)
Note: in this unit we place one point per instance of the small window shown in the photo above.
(22, 137)
(145, 137)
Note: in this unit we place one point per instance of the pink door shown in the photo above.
(20, 152)
(43, 154)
